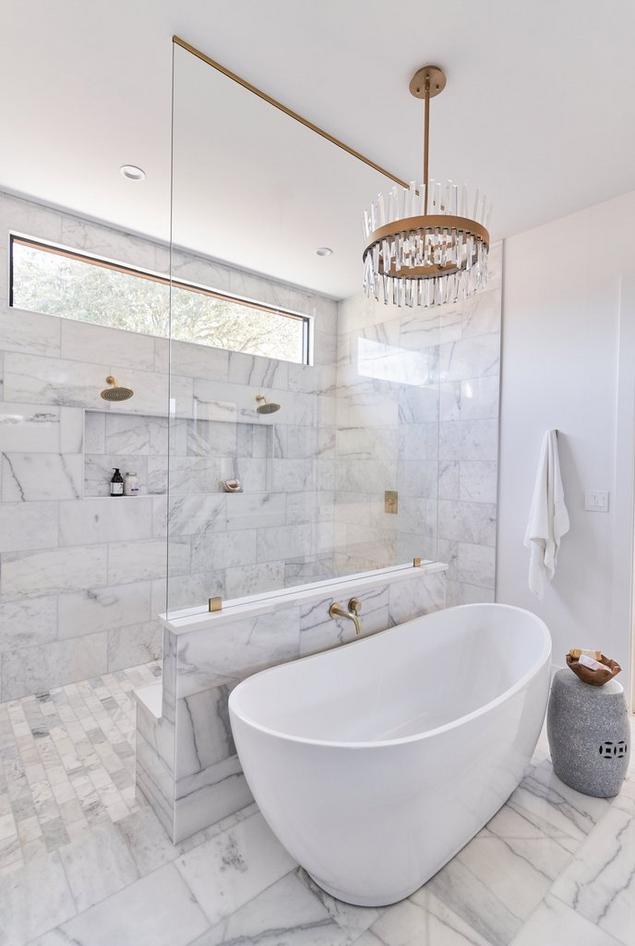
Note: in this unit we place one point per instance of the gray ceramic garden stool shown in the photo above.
(589, 734)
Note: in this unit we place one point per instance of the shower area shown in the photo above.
(348, 436)
(283, 443)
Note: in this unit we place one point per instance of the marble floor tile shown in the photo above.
(285, 914)
(98, 863)
(158, 910)
(66, 762)
(227, 871)
(554, 924)
(350, 918)
(34, 898)
(599, 883)
(424, 920)
(552, 867)
(547, 801)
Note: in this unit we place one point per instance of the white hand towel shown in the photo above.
(548, 517)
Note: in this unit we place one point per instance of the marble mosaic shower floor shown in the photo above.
(552, 868)
(67, 762)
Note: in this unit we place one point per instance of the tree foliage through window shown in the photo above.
(79, 289)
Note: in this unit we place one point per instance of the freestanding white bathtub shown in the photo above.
(376, 762)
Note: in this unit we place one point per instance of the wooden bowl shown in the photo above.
(596, 678)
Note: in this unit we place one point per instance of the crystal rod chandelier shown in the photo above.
(426, 244)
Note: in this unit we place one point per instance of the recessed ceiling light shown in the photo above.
(324, 251)
(132, 173)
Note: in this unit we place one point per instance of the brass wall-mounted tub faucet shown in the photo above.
(354, 607)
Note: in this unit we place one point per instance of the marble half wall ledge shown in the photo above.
(187, 766)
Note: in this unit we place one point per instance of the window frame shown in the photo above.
(57, 249)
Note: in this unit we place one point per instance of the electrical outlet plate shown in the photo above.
(596, 500)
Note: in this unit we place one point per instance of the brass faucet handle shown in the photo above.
(355, 605)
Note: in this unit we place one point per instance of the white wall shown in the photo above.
(569, 363)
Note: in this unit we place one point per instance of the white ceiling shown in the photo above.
(539, 112)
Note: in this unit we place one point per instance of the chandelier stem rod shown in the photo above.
(426, 144)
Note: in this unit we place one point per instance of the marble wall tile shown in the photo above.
(133, 644)
(30, 333)
(217, 550)
(475, 399)
(63, 569)
(467, 522)
(121, 518)
(197, 361)
(98, 468)
(365, 475)
(28, 526)
(409, 599)
(195, 513)
(255, 510)
(30, 670)
(482, 313)
(39, 380)
(319, 631)
(449, 479)
(419, 441)
(203, 731)
(139, 561)
(367, 443)
(283, 542)
(257, 372)
(126, 434)
(29, 427)
(98, 609)
(287, 476)
(71, 430)
(213, 438)
(312, 379)
(95, 431)
(236, 648)
(315, 506)
(468, 440)
(86, 341)
(40, 476)
(101, 240)
(252, 579)
(418, 478)
(418, 405)
(194, 588)
(474, 564)
(474, 357)
(478, 481)
(29, 622)
(211, 796)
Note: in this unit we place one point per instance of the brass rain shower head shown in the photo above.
(266, 407)
(115, 392)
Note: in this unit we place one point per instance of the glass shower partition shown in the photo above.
(304, 417)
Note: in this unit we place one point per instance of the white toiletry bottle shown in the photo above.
(131, 485)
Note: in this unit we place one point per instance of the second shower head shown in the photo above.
(265, 406)
(114, 391)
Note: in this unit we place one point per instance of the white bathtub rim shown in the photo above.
(545, 658)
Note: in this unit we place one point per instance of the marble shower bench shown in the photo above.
(187, 766)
